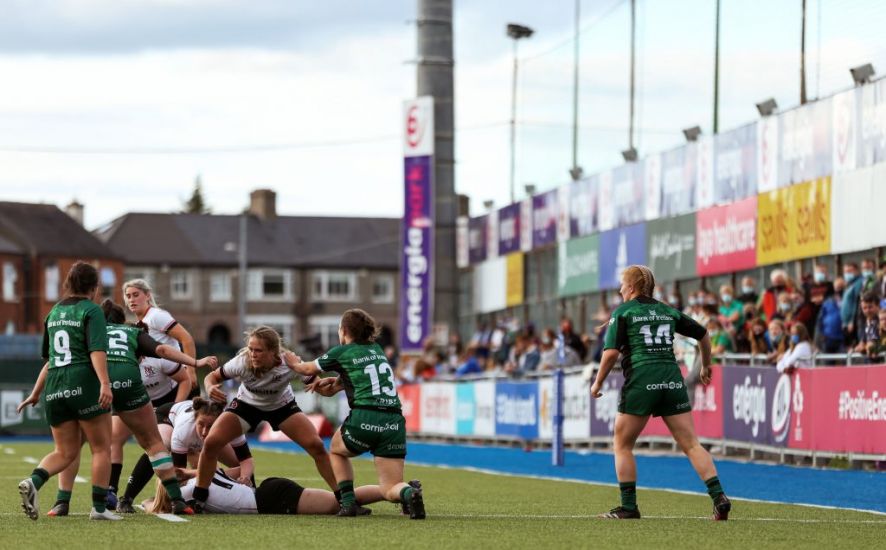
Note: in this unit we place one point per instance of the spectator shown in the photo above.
(470, 363)
(720, 341)
(800, 352)
(778, 344)
(550, 353)
(881, 285)
(659, 293)
(785, 308)
(880, 348)
(454, 351)
(675, 300)
(602, 319)
(757, 337)
(822, 287)
(525, 356)
(769, 300)
(804, 310)
(869, 331)
(748, 291)
(869, 276)
(849, 307)
(828, 327)
(572, 340)
(731, 314)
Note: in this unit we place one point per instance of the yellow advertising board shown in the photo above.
(794, 222)
(514, 283)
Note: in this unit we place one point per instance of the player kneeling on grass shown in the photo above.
(376, 423)
(642, 330)
(275, 495)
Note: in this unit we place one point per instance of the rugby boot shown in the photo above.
(722, 506)
(621, 513)
(124, 506)
(111, 500)
(59, 509)
(106, 515)
(28, 493)
(404, 506)
(353, 510)
(416, 505)
(181, 508)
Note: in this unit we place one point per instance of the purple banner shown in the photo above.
(583, 207)
(417, 266)
(477, 239)
(544, 218)
(753, 403)
(604, 409)
(509, 229)
(736, 167)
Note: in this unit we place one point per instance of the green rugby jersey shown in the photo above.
(74, 328)
(643, 331)
(123, 343)
(365, 373)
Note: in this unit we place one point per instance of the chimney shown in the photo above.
(75, 210)
(263, 204)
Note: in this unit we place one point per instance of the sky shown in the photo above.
(122, 105)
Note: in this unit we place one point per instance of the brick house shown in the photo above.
(302, 273)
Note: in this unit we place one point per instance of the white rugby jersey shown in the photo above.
(226, 496)
(159, 322)
(267, 393)
(156, 376)
(185, 438)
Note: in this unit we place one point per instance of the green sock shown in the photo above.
(628, 495)
(63, 496)
(406, 493)
(714, 488)
(172, 488)
(39, 476)
(348, 498)
(99, 497)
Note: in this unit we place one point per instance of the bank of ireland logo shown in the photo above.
(63, 314)
(781, 408)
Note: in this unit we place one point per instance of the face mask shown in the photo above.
(784, 306)
(658, 296)
(545, 340)
(693, 301)
(867, 273)
(758, 332)
(776, 338)
(672, 299)
(819, 277)
(747, 290)
(848, 277)
(726, 298)
(795, 339)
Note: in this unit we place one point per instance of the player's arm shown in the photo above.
(296, 365)
(34, 398)
(327, 387)
(184, 384)
(687, 326)
(616, 337)
(212, 383)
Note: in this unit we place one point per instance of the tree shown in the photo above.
(196, 204)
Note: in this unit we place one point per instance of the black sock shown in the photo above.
(140, 476)
(201, 494)
(628, 495)
(116, 470)
(714, 487)
(337, 494)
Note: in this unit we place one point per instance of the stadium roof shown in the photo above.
(211, 240)
(43, 229)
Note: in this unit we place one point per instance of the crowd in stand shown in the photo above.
(783, 325)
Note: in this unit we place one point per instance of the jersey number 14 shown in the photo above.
(662, 335)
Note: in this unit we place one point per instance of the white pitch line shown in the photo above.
(79, 479)
(30, 460)
(172, 518)
(9, 450)
(703, 518)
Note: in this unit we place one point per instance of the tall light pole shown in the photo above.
(575, 171)
(516, 32)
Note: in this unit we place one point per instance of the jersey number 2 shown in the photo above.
(375, 372)
(662, 335)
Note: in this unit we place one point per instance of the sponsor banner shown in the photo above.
(492, 235)
(705, 163)
(465, 409)
(767, 153)
(583, 207)
(620, 248)
(578, 268)
(652, 185)
(671, 247)
(576, 408)
(477, 239)
(736, 173)
(462, 257)
(794, 222)
(707, 405)
(627, 187)
(605, 202)
(417, 262)
(418, 128)
(853, 211)
(516, 410)
(490, 288)
(544, 218)
(678, 179)
(726, 238)
(526, 225)
(9, 400)
(563, 215)
(509, 229)
(845, 130)
(749, 405)
(546, 408)
(877, 229)
(805, 143)
(410, 399)
(438, 408)
(514, 279)
(484, 408)
(604, 409)
(872, 138)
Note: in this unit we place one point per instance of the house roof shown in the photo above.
(45, 230)
(212, 240)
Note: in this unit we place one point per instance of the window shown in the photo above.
(109, 282)
(269, 284)
(327, 327)
(220, 287)
(50, 282)
(283, 324)
(145, 273)
(10, 276)
(383, 289)
(334, 286)
(181, 284)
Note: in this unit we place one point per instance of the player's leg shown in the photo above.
(390, 481)
(119, 435)
(627, 429)
(299, 429)
(223, 431)
(66, 436)
(142, 472)
(682, 428)
(66, 479)
(98, 433)
(340, 458)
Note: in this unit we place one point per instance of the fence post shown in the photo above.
(557, 455)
